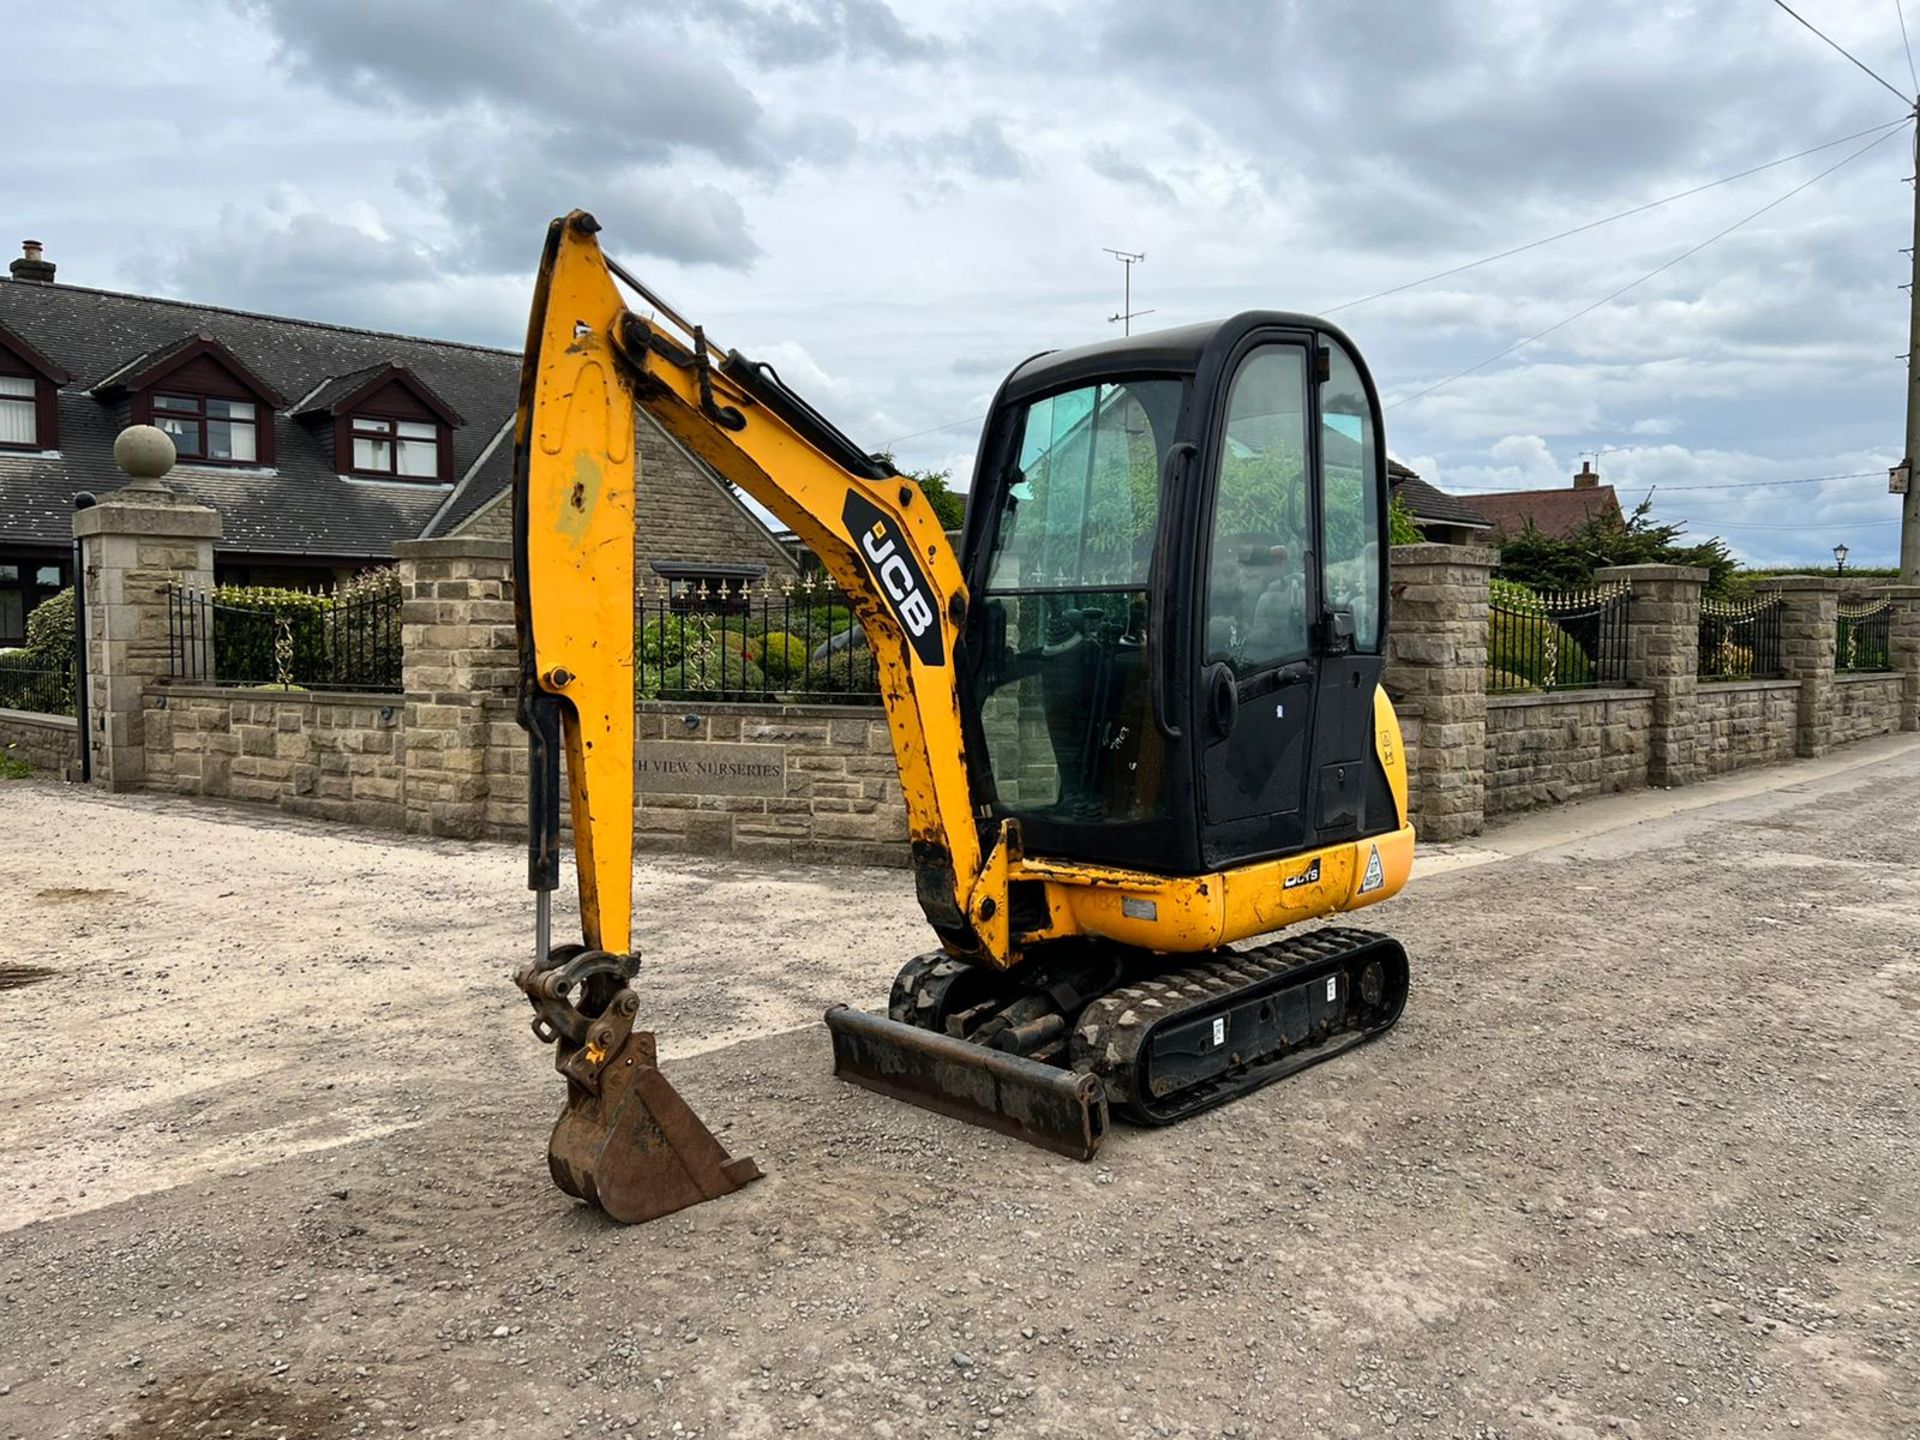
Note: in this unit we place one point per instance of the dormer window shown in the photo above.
(387, 424)
(216, 408)
(207, 428)
(396, 449)
(19, 413)
(29, 396)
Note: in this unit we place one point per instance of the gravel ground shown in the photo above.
(1640, 1160)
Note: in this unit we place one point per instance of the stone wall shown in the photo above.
(794, 782)
(333, 756)
(818, 782)
(49, 743)
(1737, 723)
(1549, 749)
(1864, 705)
(1437, 661)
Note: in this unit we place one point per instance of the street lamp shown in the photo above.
(1839, 558)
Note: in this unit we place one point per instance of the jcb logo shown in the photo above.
(900, 582)
(891, 560)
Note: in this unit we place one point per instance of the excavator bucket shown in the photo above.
(1059, 1110)
(626, 1144)
(634, 1149)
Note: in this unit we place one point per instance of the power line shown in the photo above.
(1519, 249)
(931, 430)
(1907, 45)
(1619, 215)
(1657, 270)
(1904, 99)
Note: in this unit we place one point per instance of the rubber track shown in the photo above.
(1113, 1030)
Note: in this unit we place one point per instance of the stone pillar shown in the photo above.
(1437, 659)
(1663, 655)
(1808, 614)
(1904, 636)
(135, 544)
(458, 651)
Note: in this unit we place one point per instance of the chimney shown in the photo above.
(30, 265)
(1587, 479)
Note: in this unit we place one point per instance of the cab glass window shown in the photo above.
(1062, 624)
(1257, 591)
(1350, 499)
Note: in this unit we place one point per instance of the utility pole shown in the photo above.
(1127, 313)
(1910, 502)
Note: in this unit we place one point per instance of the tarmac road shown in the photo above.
(1642, 1159)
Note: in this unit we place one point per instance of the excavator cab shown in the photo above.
(1136, 718)
(1175, 547)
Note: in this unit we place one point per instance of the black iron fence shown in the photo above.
(1740, 640)
(38, 683)
(796, 642)
(1863, 636)
(1557, 640)
(287, 639)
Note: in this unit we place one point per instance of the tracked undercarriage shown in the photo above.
(1047, 1053)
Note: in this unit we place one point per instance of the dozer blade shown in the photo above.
(1059, 1110)
(635, 1150)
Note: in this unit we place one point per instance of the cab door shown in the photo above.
(1348, 793)
(1260, 599)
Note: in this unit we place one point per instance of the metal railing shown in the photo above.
(33, 682)
(1863, 636)
(1557, 640)
(793, 642)
(1740, 640)
(285, 639)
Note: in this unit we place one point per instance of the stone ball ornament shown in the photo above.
(145, 452)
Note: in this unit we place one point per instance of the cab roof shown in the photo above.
(1181, 349)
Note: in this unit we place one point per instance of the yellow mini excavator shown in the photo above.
(1138, 718)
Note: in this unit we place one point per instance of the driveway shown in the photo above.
(1642, 1159)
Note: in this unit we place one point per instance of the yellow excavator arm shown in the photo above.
(591, 360)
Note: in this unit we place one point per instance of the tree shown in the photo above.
(1548, 562)
(948, 504)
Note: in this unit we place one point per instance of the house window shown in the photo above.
(406, 449)
(23, 585)
(19, 412)
(205, 428)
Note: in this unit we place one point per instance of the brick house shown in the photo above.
(1555, 513)
(320, 445)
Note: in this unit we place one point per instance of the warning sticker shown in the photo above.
(1220, 1030)
(1333, 988)
(1375, 876)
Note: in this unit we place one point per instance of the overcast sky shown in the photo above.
(898, 200)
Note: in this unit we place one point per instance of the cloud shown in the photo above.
(913, 197)
(1110, 162)
(980, 149)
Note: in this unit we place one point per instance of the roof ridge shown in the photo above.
(1548, 490)
(266, 315)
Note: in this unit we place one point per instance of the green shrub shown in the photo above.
(661, 643)
(50, 628)
(782, 656)
(13, 765)
(1401, 529)
(713, 679)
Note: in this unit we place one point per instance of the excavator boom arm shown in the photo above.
(590, 362)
